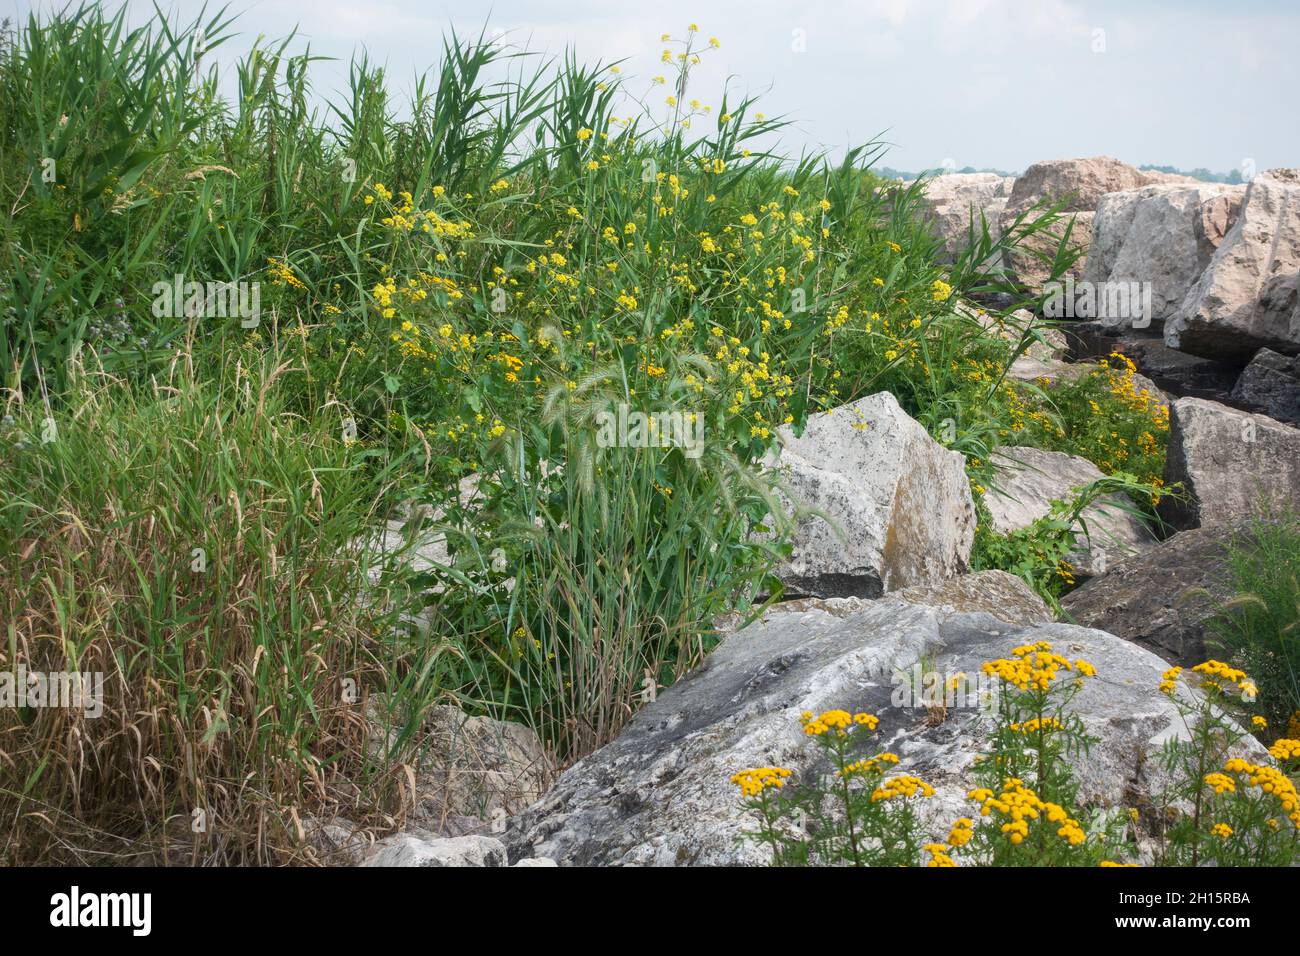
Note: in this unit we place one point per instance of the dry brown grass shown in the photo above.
(224, 687)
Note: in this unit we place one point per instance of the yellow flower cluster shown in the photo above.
(902, 786)
(1169, 680)
(754, 781)
(1270, 780)
(1284, 749)
(1035, 666)
(938, 855)
(282, 274)
(962, 831)
(836, 721)
(383, 293)
(1071, 832)
(1221, 676)
(1220, 783)
(1037, 724)
(1020, 805)
(405, 217)
(1122, 385)
(1221, 830)
(866, 766)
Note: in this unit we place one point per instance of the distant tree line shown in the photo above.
(1204, 175)
(1200, 172)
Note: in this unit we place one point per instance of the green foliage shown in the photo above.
(599, 580)
(98, 121)
(456, 285)
(1220, 809)
(1105, 416)
(1039, 553)
(1260, 625)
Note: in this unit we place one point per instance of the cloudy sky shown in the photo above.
(983, 83)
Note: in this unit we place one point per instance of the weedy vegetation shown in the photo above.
(848, 807)
(243, 336)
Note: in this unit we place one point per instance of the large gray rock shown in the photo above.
(1232, 464)
(895, 505)
(408, 849)
(1003, 595)
(950, 202)
(1079, 184)
(1045, 371)
(467, 770)
(477, 766)
(1248, 297)
(1160, 599)
(1027, 481)
(1163, 235)
(1270, 384)
(993, 592)
(660, 793)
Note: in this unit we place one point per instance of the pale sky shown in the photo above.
(983, 83)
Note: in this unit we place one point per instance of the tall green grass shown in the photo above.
(601, 570)
(1259, 626)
